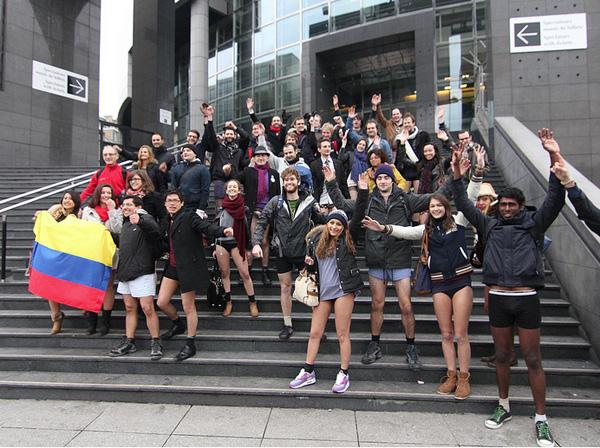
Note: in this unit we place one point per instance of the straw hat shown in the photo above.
(487, 190)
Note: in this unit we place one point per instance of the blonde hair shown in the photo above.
(151, 158)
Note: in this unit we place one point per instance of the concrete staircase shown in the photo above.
(241, 361)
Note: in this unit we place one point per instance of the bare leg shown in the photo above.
(285, 282)
(109, 295)
(377, 302)
(343, 307)
(191, 315)
(320, 315)
(503, 342)
(168, 287)
(131, 315)
(242, 266)
(529, 339)
(224, 266)
(442, 305)
(147, 304)
(408, 317)
(462, 306)
(54, 309)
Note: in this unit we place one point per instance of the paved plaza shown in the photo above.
(83, 423)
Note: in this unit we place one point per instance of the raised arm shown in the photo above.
(333, 189)
(212, 144)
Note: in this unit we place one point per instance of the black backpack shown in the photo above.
(216, 291)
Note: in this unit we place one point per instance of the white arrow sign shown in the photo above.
(77, 86)
(522, 34)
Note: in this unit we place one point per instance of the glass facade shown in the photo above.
(257, 52)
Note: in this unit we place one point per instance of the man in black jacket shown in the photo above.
(388, 258)
(185, 269)
(513, 269)
(292, 215)
(192, 177)
(275, 133)
(136, 274)
(320, 193)
(164, 157)
(261, 183)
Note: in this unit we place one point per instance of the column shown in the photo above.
(198, 61)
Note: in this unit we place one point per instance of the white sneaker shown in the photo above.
(342, 383)
(303, 379)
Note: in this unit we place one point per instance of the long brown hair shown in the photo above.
(151, 158)
(147, 184)
(448, 220)
(327, 243)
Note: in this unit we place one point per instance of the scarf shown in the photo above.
(274, 129)
(132, 192)
(263, 187)
(102, 213)
(236, 208)
(410, 152)
(426, 175)
(359, 165)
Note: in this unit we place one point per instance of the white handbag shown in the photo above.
(306, 290)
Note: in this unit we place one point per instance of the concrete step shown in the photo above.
(392, 343)
(261, 391)
(559, 372)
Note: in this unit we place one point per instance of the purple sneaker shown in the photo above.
(342, 383)
(303, 379)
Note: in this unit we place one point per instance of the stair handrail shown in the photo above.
(72, 182)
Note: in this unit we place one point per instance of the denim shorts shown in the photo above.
(390, 274)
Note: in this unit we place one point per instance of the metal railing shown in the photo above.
(48, 190)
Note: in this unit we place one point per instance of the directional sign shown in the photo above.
(548, 33)
(58, 81)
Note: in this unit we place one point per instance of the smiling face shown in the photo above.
(229, 135)
(408, 124)
(157, 140)
(371, 130)
(299, 125)
(173, 204)
(276, 121)
(375, 160)
(232, 190)
(384, 183)
(135, 182)
(128, 208)
(437, 210)
(67, 202)
(335, 228)
(289, 153)
(326, 133)
(361, 146)
(483, 202)
(192, 138)
(325, 148)
(396, 115)
(110, 155)
(187, 154)
(260, 159)
(428, 152)
(106, 194)
(290, 184)
(509, 208)
(257, 130)
(143, 154)
(356, 124)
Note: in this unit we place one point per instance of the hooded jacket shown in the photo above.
(136, 256)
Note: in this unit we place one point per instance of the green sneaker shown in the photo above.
(542, 434)
(498, 418)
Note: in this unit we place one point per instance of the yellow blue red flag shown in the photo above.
(71, 261)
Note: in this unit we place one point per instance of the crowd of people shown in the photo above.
(304, 195)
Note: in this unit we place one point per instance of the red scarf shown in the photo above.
(131, 192)
(274, 129)
(236, 208)
(102, 212)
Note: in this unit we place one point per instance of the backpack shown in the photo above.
(216, 292)
(306, 184)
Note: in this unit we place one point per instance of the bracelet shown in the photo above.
(569, 184)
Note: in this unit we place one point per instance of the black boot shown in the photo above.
(266, 279)
(92, 320)
(105, 322)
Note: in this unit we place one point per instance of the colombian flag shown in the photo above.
(71, 261)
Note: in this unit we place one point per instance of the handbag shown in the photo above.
(422, 279)
(306, 289)
(216, 291)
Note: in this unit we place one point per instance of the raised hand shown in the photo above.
(336, 103)
(134, 218)
(344, 137)
(352, 112)
(464, 167)
(372, 224)
(230, 124)
(442, 135)
(480, 156)
(403, 135)
(441, 113)
(328, 173)
(561, 172)
(249, 103)
(363, 181)
(375, 100)
(548, 143)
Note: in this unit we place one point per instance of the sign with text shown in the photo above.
(58, 81)
(548, 33)
(164, 116)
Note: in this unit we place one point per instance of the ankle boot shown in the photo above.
(448, 383)
(92, 320)
(463, 388)
(105, 322)
(57, 323)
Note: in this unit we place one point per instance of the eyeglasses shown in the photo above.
(135, 178)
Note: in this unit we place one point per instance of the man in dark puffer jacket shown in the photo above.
(192, 178)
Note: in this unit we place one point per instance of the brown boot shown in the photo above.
(463, 388)
(253, 309)
(448, 383)
(228, 308)
(57, 323)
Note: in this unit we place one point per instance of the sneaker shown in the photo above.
(412, 357)
(342, 383)
(125, 347)
(286, 332)
(542, 434)
(155, 350)
(372, 354)
(303, 379)
(176, 328)
(498, 418)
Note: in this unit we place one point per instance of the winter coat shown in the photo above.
(113, 175)
(249, 179)
(513, 248)
(193, 180)
(586, 211)
(223, 154)
(136, 253)
(186, 229)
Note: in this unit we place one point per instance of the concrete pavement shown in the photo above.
(86, 423)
